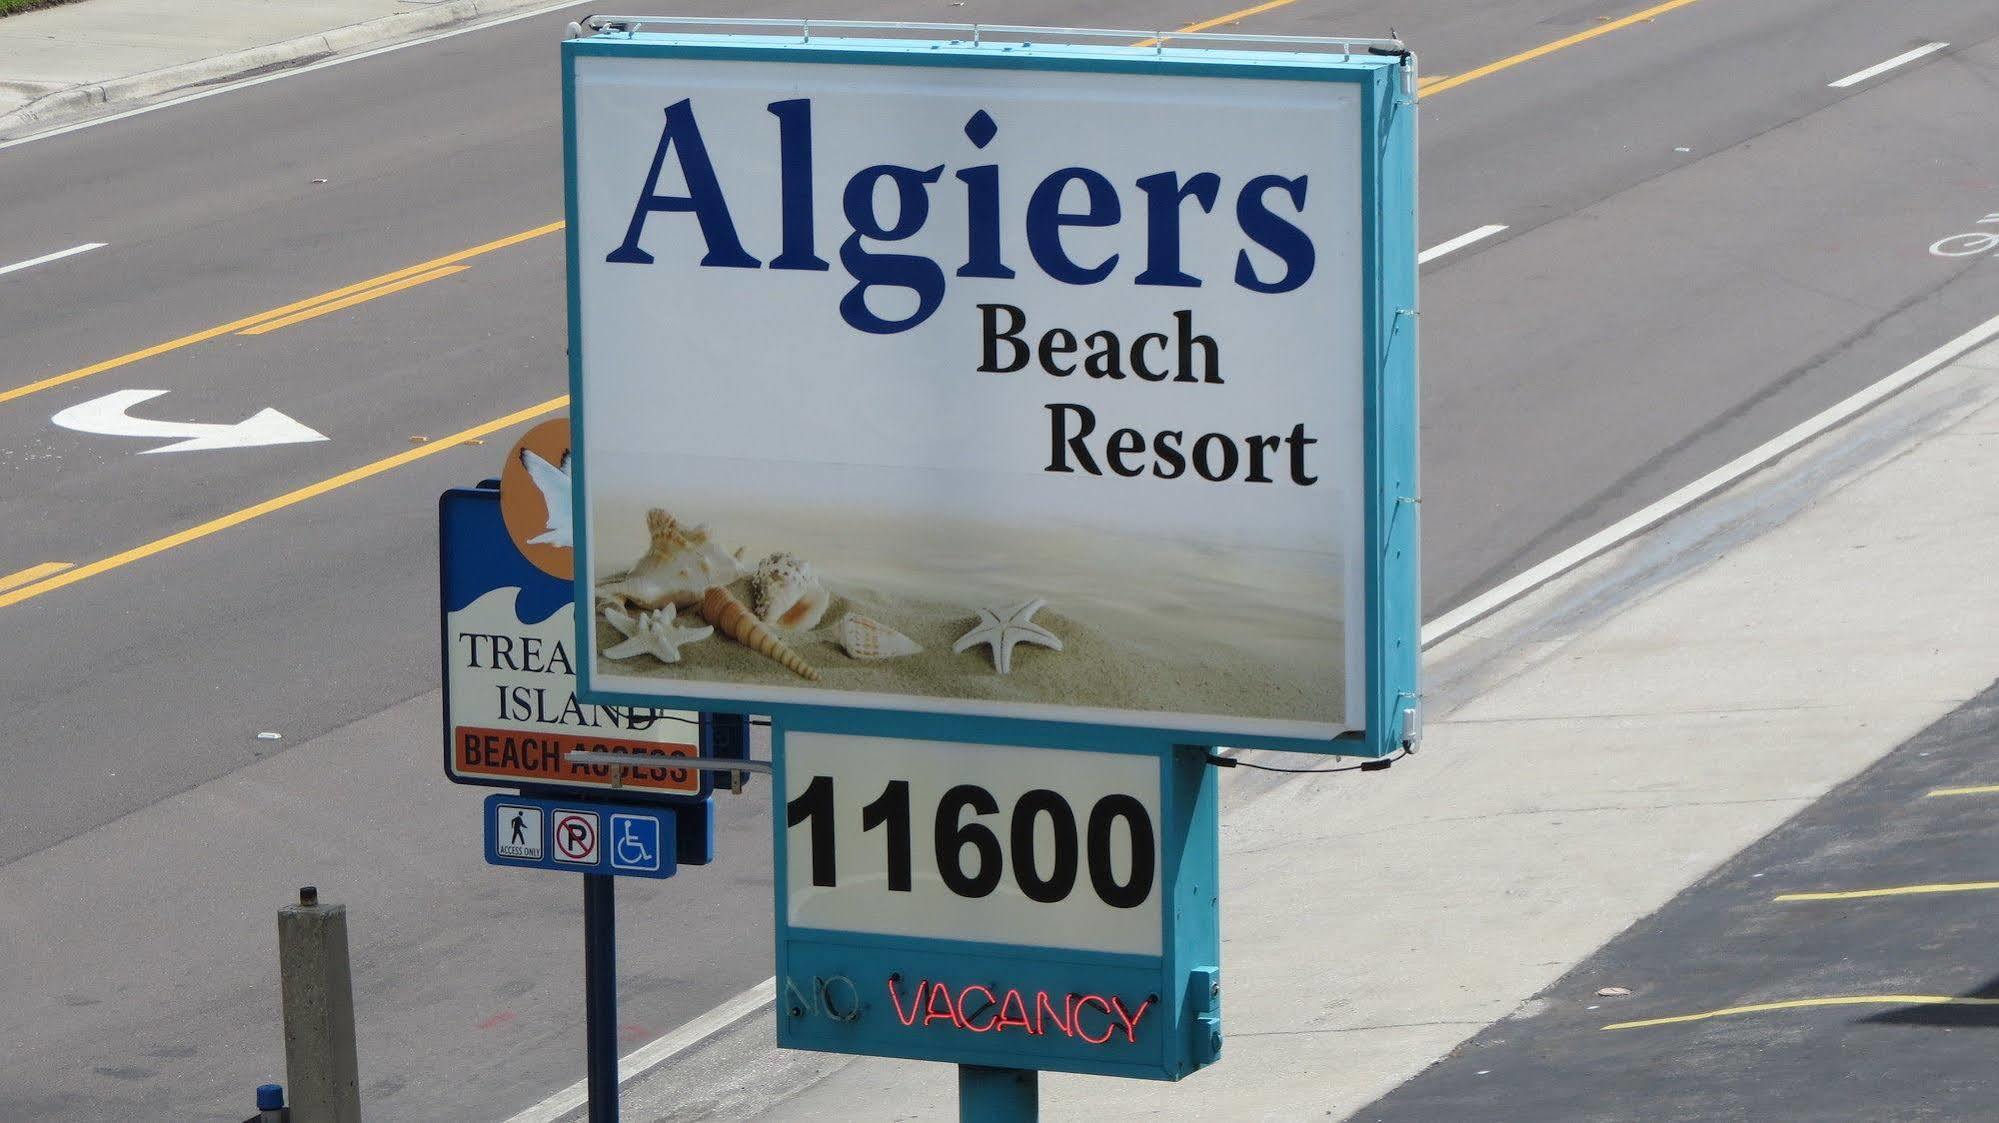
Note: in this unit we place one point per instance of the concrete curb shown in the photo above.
(73, 101)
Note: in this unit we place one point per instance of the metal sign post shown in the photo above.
(998, 1095)
(1014, 414)
(600, 994)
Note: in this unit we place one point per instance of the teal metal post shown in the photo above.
(998, 1095)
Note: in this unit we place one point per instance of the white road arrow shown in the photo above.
(107, 416)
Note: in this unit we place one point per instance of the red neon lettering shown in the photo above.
(1130, 1019)
(949, 1014)
(1076, 1013)
(935, 1002)
(915, 1004)
(1066, 1022)
(1014, 1002)
(966, 1009)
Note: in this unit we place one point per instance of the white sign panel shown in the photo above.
(1043, 847)
(518, 831)
(515, 717)
(1027, 394)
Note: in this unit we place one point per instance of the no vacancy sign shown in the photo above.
(942, 380)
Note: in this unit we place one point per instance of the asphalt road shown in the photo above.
(1705, 243)
(1874, 1006)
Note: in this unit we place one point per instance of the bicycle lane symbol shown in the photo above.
(576, 837)
(1970, 244)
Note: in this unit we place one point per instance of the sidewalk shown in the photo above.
(61, 63)
(1592, 751)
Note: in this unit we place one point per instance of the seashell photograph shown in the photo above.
(1087, 619)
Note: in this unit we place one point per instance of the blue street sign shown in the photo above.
(511, 717)
(600, 838)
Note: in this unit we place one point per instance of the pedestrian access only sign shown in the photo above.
(623, 839)
(519, 833)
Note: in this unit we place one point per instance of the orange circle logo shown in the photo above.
(534, 498)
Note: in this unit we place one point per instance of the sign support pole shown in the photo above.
(600, 994)
(998, 1095)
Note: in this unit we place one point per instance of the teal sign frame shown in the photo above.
(1391, 643)
(1155, 1017)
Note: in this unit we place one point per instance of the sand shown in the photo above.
(1146, 624)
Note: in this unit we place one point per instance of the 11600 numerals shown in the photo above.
(978, 873)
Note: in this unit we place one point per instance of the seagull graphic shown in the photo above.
(553, 482)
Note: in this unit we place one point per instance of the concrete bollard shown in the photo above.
(320, 1066)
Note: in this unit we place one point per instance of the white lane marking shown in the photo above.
(106, 416)
(764, 993)
(56, 256)
(1859, 76)
(1457, 243)
(337, 60)
(656, 1053)
(1707, 485)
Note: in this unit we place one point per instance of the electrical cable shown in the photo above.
(697, 721)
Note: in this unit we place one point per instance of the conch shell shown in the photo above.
(681, 565)
(864, 637)
(721, 608)
(787, 593)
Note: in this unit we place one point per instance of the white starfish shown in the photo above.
(650, 633)
(553, 483)
(1004, 627)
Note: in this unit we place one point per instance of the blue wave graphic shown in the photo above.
(478, 557)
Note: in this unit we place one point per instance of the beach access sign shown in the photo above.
(511, 711)
(1006, 384)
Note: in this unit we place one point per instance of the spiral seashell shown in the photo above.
(721, 608)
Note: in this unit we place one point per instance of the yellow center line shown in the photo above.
(1240, 13)
(278, 503)
(1896, 891)
(1983, 789)
(1453, 82)
(249, 321)
(1806, 1003)
(351, 301)
(32, 573)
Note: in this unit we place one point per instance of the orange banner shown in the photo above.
(538, 758)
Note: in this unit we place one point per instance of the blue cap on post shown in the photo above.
(270, 1097)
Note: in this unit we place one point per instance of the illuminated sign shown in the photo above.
(1033, 393)
(978, 1008)
(1031, 906)
(1012, 423)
